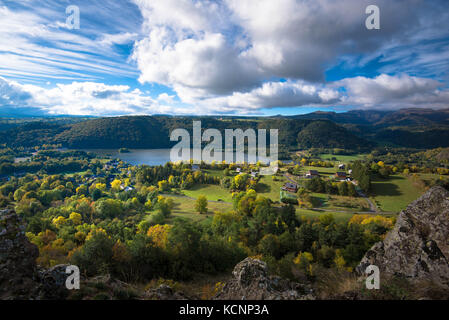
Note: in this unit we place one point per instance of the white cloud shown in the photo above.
(234, 50)
(36, 45)
(402, 91)
(11, 94)
(82, 98)
(275, 94)
(118, 38)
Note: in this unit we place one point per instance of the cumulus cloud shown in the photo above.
(274, 94)
(394, 92)
(223, 56)
(80, 98)
(11, 94)
(231, 48)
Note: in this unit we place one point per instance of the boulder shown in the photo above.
(251, 281)
(418, 246)
(18, 274)
(20, 277)
(164, 292)
(52, 283)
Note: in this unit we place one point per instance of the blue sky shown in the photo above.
(221, 57)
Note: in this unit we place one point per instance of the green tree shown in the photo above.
(201, 204)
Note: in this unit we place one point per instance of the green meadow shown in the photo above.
(342, 158)
(395, 193)
(212, 192)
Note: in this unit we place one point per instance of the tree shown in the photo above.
(163, 185)
(95, 257)
(82, 190)
(165, 205)
(59, 221)
(351, 190)
(269, 245)
(159, 235)
(76, 218)
(115, 185)
(343, 188)
(201, 205)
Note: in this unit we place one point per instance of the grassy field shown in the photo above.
(269, 188)
(395, 193)
(212, 192)
(338, 216)
(216, 173)
(342, 158)
(324, 172)
(185, 208)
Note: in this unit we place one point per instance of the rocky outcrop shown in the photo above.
(251, 281)
(165, 292)
(418, 246)
(20, 277)
(18, 272)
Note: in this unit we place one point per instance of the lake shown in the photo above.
(152, 157)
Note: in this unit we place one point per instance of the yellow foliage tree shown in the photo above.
(59, 221)
(101, 186)
(159, 234)
(94, 232)
(116, 184)
(76, 218)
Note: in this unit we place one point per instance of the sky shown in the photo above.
(227, 57)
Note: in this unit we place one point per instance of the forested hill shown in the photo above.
(356, 130)
(153, 132)
(414, 128)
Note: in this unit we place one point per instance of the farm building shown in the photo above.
(312, 173)
(340, 175)
(290, 187)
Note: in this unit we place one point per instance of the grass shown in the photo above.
(185, 208)
(395, 193)
(211, 191)
(338, 216)
(269, 188)
(214, 172)
(324, 172)
(342, 158)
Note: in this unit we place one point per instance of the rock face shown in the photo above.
(165, 292)
(20, 277)
(418, 246)
(251, 282)
(18, 271)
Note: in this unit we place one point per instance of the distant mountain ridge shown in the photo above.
(379, 118)
(356, 130)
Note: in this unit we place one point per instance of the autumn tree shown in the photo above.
(201, 204)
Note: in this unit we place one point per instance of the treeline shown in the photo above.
(154, 132)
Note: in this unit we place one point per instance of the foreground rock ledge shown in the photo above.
(418, 246)
(251, 281)
(20, 277)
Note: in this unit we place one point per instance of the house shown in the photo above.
(341, 166)
(312, 173)
(340, 175)
(291, 187)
